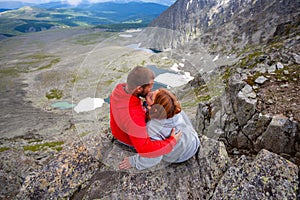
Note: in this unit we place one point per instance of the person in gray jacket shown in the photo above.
(164, 114)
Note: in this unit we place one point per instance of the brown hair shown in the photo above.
(139, 76)
(165, 106)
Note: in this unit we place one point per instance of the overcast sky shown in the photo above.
(75, 2)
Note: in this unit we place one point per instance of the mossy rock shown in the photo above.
(53, 145)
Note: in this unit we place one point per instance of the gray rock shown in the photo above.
(271, 69)
(194, 179)
(61, 177)
(297, 58)
(286, 72)
(256, 126)
(279, 65)
(72, 170)
(14, 167)
(279, 137)
(268, 176)
(203, 118)
(248, 92)
(244, 106)
(261, 68)
(284, 85)
(261, 80)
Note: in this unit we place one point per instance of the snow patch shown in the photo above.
(125, 35)
(88, 104)
(174, 80)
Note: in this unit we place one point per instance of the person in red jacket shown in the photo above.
(128, 116)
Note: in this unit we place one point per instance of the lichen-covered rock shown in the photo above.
(193, 179)
(256, 126)
(269, 176)
(280, 136)
(245, 104)
(14, 167)
(61, 177)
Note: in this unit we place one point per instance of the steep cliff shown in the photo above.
(224, 25)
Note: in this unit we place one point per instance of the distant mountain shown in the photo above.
(53, 5)
(13, 4)
(65, 4)
(225, 25)
(109, 15)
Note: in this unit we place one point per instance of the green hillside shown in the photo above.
(112, 16)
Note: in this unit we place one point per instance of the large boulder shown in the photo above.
(268, 176)
(280, 136)
(14, 167)
(193, 179)
(61, 177)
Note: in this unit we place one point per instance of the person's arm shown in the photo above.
(143, 144)
(149, 148)
(139, 162)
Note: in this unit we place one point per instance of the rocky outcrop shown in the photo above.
(196, 178)
(222, 24)
(258, 108)
(61, 177)
(208, 175)
(14, 167)
(268, 176)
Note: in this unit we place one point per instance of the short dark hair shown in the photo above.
(139, 76)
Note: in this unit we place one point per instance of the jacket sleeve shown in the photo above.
(141, 163)
(143, 144)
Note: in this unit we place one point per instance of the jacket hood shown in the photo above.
(123, 100)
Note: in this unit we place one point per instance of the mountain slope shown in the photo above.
(57, 15)
(226, 24)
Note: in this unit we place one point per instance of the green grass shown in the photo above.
(2, 149)
(52, 62)
(38, 56)
(9, 72)
(54, 94)
(92, 38)
(38, 147)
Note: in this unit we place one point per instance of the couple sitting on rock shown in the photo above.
(158, 131)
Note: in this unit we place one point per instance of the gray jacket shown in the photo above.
(185, 148)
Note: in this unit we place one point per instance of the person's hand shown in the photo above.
(125, 164)
(176, 136)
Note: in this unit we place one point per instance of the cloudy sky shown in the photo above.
(76, 2)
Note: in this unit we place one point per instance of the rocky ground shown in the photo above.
(52, 153)
(78, 63)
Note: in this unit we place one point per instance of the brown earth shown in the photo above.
(280, 94)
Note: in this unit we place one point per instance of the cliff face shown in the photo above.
(222, 24)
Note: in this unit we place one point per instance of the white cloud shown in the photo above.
(74, 2)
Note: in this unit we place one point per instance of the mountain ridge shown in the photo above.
(233, 23)
(111, 14)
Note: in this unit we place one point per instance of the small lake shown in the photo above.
(62, 105)
(165, 78)
(169, 78)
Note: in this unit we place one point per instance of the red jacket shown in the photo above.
(128, 125)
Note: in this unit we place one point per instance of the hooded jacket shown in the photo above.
(185, 148)
(128, 125)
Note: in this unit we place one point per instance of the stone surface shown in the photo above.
(268, 176)
(279, 137)
(261, 80)
(61, 177)
(14, 167)
(194, 179)
(245, 106)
